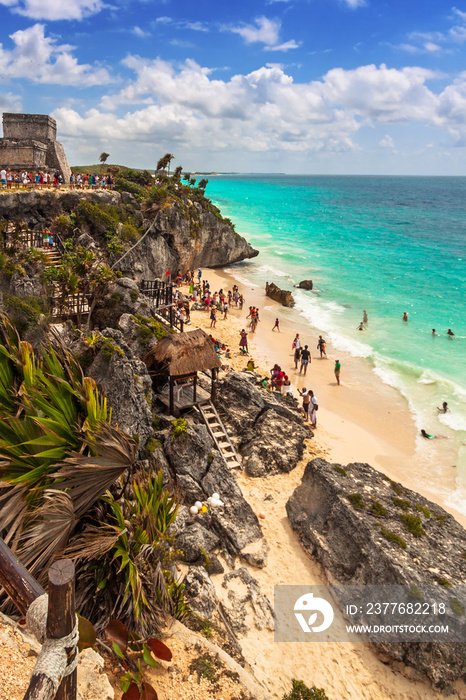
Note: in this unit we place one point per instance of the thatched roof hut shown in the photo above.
(184, 353)
(180, 356)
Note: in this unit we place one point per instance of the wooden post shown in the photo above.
(18, 583)
(213, 389)
(194, 386)
(172, 405)
(61, 617)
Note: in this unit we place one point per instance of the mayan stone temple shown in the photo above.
(29, 143)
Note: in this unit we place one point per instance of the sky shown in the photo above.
(292, 86)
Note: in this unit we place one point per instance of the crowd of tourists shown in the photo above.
(10, 179)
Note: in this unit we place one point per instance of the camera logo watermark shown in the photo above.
(370, 613)
(307, 603)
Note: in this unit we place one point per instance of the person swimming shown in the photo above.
(450, 333)
(428, 436)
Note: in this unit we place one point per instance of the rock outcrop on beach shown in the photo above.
(281, 295)
(366, 529)
(268, 433)
(306, 284)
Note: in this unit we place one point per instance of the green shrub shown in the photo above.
(180, 428)
(339, 469)
(134, 295)
(300, 691)
(397, 487)
(413, 524)
(148, 328)
(400, 503)
(444, 582)
(393, 537)
(109, 348)
(424, 510)
(378, 509)
(441, 519)
(356, 500)
(414, 592)
(457, 606)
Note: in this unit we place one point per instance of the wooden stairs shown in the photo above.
(54, 257)
(219, 435)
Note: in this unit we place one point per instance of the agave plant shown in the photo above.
(59, 451)
(125, 561)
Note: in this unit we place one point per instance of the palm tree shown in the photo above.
(103, 159)
(59, 451)
(177, 174)
(203, 184)
(164, 162)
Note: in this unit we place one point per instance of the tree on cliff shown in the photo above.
(103, 158)
(203, 184)
(164, 162)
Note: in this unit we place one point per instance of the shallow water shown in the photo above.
(384, 244)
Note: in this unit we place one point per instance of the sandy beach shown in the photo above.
(361, 420)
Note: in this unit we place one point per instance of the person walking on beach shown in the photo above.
(306, 401)
(277, 325)
(213, 317)
(297, 357)
(225, 310)
(313, 409)
(305, 359)
(321, 345)
(243, 343)
(336, 371)
(405, 316)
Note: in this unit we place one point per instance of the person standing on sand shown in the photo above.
(321, 345)
(243, 343)
(277, 325)
(336, 370)
(313, 409)
(306, 401)
(405, 316)
(297, 357)
(296, 342)
(213, 317)
(305, 359)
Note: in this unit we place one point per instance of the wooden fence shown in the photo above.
(160, 292)
(54, 675)
(31, 239)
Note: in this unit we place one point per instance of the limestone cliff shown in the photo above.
(184, 234)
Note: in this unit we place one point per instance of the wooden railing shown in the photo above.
(54, 675)
(160, 292)
(31, 239)
(64, 306)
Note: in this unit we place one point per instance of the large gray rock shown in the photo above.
(268, 434)
(200, 591)
(199, 472)
(276, 445)
(247, 603)
(346, 519)
(128, 387)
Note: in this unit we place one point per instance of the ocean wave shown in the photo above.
(240, 278)
(272, 270)
(455, 421)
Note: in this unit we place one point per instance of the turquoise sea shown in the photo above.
(384, 244)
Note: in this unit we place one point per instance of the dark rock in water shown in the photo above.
(359, 525)
(305, 284)
(281, 295)
(270, 434)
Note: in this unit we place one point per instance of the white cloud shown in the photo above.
(40, 59)
(140, 32)
(354, 4)
(265, 31)
(265, 110)
(283, 47)
(387, 142)
(10, 102)
(55, 9)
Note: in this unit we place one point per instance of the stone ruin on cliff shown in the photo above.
(29, 143)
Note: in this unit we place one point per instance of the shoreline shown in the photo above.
(363, 420)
